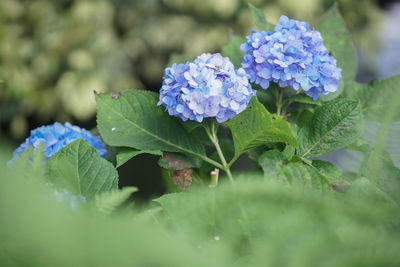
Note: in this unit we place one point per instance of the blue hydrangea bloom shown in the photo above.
(207, 87)
(292, 55)
(74, 201)
(56, 136)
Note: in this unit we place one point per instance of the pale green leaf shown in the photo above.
(380, 99)
(233, 52)
(338, 41)
(107, 202)
(260, 20)
(378, 167)
(268, 161)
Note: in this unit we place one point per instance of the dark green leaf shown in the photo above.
(233, 52)
(260, 20)
(133, 119)
(79, 168)
(126, 153)
(301, 99)
(256, 126)
(338, 41)
(334, 125)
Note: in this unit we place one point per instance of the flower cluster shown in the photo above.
(207, 87)
(292, 55)
(56, 136)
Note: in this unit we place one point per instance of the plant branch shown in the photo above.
(214, 139)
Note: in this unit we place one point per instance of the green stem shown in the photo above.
(279, 102)
(214, 139)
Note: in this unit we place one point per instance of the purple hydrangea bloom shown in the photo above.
(292, 55)
(56, 136)
(207, 87)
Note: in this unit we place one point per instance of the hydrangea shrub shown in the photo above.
(207, 115)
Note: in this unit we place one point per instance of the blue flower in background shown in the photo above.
(207, 87)
(74, 201)
(292, 55)
(56, 136)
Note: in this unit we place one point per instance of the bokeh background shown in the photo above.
(53, 54)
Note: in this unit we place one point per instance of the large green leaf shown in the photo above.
(338, 41)
(233, 52)
(133, 119)
(256, 126)
(380, 99)
(334, 125)
(79, 168)
(260, 20)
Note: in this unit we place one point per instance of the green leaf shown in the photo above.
(381, 99)
(295, 173)
(133, 119)
(335, 125)
(328, 170)
(107, 202)
(260, 20)
(255, 126)
(360, 145)
(268, 161)
(233, 52)
(378, 167)
(126, 153)
(301, 99)
(338, 41)
(79, 168)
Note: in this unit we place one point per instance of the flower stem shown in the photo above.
(279, 102)
(214, 139)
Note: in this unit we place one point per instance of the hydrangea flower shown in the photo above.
(292, 55)
(56, 136)
(207, 87)
(74, 201)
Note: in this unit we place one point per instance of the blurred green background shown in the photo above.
(53, 54)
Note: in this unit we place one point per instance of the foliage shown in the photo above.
(294, 210)
(55, 53)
